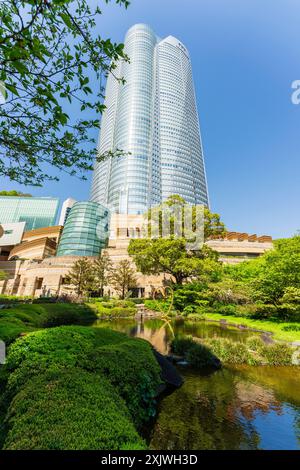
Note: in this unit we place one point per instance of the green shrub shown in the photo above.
(70, 409)
(289, 312)
(196, 354)
(229, 351)
(291, 328)
(128, 363)
(278, 354)
(181, 345)
(199, 316)
(263, 311)
(255, 343)
(130, 368)
(157, 305)
(199, 356)
(115, 309)
(12, 299)
(189, 309)
(229, 309)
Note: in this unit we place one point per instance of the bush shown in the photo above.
(115, 309)
(263, 311)
(199, 356)
(189, 295)
(128, 364)
(289, 312)
(291, 328)
(189, 309)
(12, 299)
(196, 354)
(181, 345)
(227, 309)
(72, 409)
(255, 343)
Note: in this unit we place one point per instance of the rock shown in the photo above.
(169, 373)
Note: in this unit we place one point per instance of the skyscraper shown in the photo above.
(153, 119)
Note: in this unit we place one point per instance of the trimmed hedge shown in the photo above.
(70, 409)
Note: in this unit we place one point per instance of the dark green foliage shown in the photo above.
(70, 409)
(51, 55)
(227, 309)
(291, 328)
(196, 354)
(129, 366)
(230, 352)
(12, 299)
(114, 373)
(253, 352)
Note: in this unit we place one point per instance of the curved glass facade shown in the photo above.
(152, 117)
(86, 230)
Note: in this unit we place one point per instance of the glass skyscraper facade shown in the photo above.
(86, 230)
(36, 212)
(153, 119)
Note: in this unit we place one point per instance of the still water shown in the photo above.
(238, 407)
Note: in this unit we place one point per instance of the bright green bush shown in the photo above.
(230, 352)
(157, 305)
(12, 299)
(291, 328)
(278, 354)
(70, 409)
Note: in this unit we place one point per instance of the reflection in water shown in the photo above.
(241, 407)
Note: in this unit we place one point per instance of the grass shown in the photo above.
(77, 387)
(274, 327)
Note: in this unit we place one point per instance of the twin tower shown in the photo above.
(153, 119)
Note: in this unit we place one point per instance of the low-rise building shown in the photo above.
(33, 269)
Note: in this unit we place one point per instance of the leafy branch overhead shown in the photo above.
(50, 54)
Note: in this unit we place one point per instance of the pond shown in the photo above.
(237, 407)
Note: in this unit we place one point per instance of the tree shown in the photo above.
(50, 53)
(170, 255)
(101, 272)
(123, 278)
(81, 276)
(3, 275)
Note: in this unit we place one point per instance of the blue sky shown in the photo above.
(245, 56)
